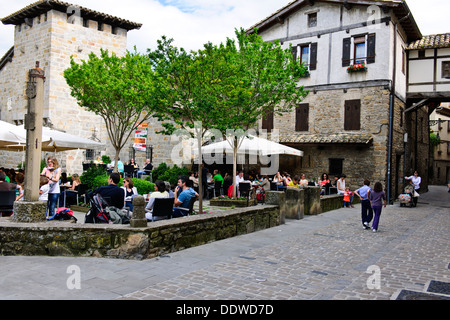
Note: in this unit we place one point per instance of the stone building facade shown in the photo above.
(428, 88)
(51, 32)
(351, 122)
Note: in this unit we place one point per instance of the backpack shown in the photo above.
(118, 216)
(97, 213)
(63, 214)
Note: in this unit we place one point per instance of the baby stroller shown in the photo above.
(409, 198)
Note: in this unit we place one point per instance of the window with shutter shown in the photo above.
(294, 53)
(302, 117)
(267, 122)
(346, 52)
(335, 167)
(446, 69)
(313, 56)
(363, 50)
(371, 48)
(352, 115)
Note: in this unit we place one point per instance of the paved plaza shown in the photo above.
(324, 257)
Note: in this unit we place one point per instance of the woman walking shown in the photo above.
(377, 197)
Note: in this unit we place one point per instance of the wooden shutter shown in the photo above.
(313, 56)
(302, 117)
(294, 53)
(346, 52)
(267, 122)
(371, 48)
(352, 115)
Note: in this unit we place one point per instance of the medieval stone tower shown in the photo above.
(51, 32)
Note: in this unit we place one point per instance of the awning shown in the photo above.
(320, 138)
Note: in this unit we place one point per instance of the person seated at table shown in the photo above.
(160, 192)
(324, 182)
(112, 193)
(182, 199)
(6, 186)
(303, 181)
(294, 182)
(287, 178)
(130, 192)
(278, 179)
(64, 179)
(194, 178)
(132, 163)
(265, 184)
(70, 192)
(217, 176)
(20, 180)
(147, 169)
(120, 166)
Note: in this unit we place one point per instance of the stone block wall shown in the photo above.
(326, 116)
(123, 242)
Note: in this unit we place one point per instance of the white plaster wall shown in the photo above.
(329, 53)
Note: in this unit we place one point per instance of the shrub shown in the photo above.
(106, 159)
(89, 176)
(164, 173)
(142, 186)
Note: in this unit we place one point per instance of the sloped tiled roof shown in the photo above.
(399, 8)
(7, 57)
(342, 138)
(434, 41)
(43, 6)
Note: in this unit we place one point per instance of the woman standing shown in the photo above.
(415, 180)
(377, 195)
(53, 174)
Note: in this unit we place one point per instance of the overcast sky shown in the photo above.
(191, 23)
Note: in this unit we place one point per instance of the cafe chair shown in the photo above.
(7, 199)
(162, 209)
(245, 189)
(217, 188)
(128, 170)
(81, 190)
(190, 210)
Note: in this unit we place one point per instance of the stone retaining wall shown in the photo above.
(121, 241)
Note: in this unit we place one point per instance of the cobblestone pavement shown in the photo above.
(327, 257)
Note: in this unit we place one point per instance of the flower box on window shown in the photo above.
(357, 67)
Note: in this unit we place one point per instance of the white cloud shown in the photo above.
(194, 22)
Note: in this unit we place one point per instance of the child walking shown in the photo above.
(347, 197)
(377, 197)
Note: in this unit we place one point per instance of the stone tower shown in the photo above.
(51, 32)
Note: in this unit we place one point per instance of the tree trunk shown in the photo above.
(235, 146)
(116, 161)
(200, 174)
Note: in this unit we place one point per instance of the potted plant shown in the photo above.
(357, 67)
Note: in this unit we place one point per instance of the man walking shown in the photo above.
(366, 209)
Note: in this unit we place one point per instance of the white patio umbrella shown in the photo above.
(15, 136)
(251, 145)
(61, 141)
(52, 140)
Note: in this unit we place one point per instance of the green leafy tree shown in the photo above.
(227, 87)
(118, 89)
